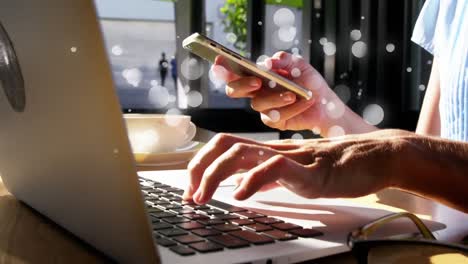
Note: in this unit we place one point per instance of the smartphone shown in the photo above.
(208, 49)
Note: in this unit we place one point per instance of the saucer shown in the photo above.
(180, 156)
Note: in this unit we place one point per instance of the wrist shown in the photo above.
(349, 122)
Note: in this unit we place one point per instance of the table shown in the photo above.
(28, 237)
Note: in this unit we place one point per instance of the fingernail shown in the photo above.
(253, 82)
(196, 197)
(288, 97)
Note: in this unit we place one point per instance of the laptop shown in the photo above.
(64, 151)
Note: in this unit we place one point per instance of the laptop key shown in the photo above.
(252, 237)
(226, 207)
(190, 225)
(306, 232)
(172, 232)
(205, 232)
(267, 220)
(241, 222)
(182, 211)
(258, 227)
(187, 239)
(196, 216)
(280, 235)
(211, 221)
(226, 227)
(182, 250)
(212, 211)
(153, 210)
(170, 206)
(250, 214)
(229, 241)
(205, 247)
(161, 225)
(285, 226)
(226, 217)
(162, 214)
(175, 220)
(165, 242)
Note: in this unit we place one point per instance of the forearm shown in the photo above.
(435, 168)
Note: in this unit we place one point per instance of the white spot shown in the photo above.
(73, 49)
(172, 98)
(355, 34)
(191, 68)
(262, 62)
(272, 84)
(296, 42)
(178, 37)
(362, 18)
(359, 83)
(218, 75)
(231, 37)
(297, 136)
(274, 115)
(116, 151)
(261, 153)
(287, 34)
(335, 110)
(336, 131)
(143, 141)
(317, 15)
(295, 72)
(323, 41)
(390, 47)
(133, 76)
(429, 62)
(284, 17)
(154, 83)
(158, 96)
(186, 89)
(243, 157)
(295, 50)
(359, 49)
(373, 114)
(329, 48)
(422, 87)
(343, 92)
(409, 69)
(117, 50)
(194, 98)
(170, 119)
(309, 93)
(309, 41)
(260, 23)
(324, 101)
(316, 130)
(129, 110)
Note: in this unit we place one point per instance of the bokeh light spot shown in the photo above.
(373, 114)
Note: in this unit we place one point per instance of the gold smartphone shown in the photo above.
(208, 49)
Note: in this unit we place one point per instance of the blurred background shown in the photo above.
(361, 47)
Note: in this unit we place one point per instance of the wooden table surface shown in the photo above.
(28, 237)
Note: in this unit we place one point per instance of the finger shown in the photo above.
(285, 113)
(266, 100)
(267, 187)
(279, 60)
(239, 156)
(205, 156)
(243, 87)
(229, 75)
(268, 173)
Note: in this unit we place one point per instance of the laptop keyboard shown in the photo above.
(187, 228)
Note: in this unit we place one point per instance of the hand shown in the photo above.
(295, 113)
(349, 166)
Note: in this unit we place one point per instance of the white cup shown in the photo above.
(156, 133)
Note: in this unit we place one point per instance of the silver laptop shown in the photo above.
(64, 151)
